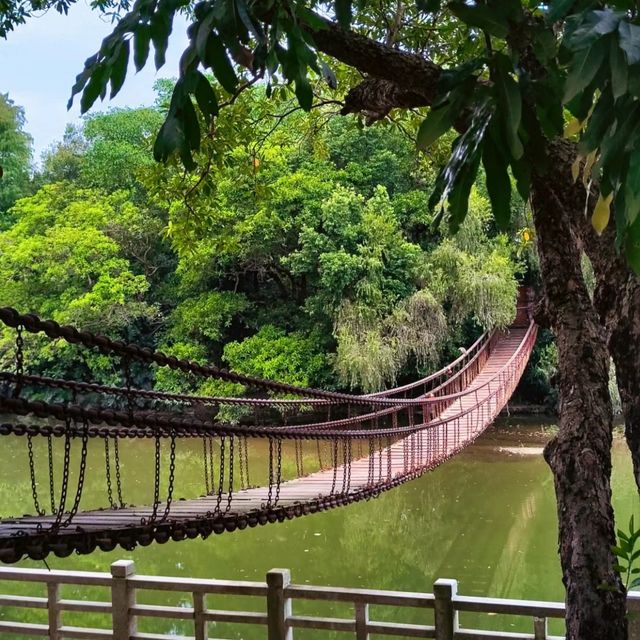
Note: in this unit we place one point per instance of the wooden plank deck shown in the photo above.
(430, 447)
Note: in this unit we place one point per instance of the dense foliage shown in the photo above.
(15, 156)
(308, 256)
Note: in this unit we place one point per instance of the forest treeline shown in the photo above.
(303, 250)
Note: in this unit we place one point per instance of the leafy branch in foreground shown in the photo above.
(628, 554)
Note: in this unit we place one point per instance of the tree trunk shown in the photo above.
(580, 455)
(617, 293)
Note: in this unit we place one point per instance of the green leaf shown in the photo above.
(202, 35)
(94, 87)
(481, 17)
(437, 122)
(632, 188)
(459, 196)
(510, 103)
(459, 78)
(583, 70)
(343, 11)
(141, 40)
(252, 26)
(630, 41)
(161, 23)
(634, 583)
(328, 75)
(498, 183)
(304, 93)
(455, 180)
(522, 173)
(620, 552)
(119, 68)
(597, 125)
(216, 58)
(558, 9)
(619, 72)
(545, 45)
(190, 124)
(206, 97)
(592, 27)
(428, 6)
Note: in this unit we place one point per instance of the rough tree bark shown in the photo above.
(580, 455)
(617, 293)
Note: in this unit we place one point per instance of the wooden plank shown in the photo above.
(370, 596)
(24, 628)
(402, 630)
(231, 587)
(533, 608)
(23, 601)
(84, 633)
(324, 624)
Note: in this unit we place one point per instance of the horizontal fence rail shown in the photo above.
(276, 599)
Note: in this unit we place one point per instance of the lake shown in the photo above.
(486, 518)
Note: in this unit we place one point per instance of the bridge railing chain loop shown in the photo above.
(19, 361)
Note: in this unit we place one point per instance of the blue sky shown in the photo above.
(40, 59)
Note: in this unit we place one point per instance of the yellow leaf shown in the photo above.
(601, 213)
(575, 167)
(588, 166)
(572, 128)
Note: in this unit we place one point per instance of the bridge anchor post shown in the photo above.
(279, 608)
(446, 617)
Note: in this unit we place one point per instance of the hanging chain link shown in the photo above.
(205, 460)
(19, 356)
(156, 477)
(172, 474)
(116, 452)
(32, 473)
(230, 491)
(107, 469)
(278, 470)
(334, 460)
(270, 492)
(241, 461)
(246, 461)
(52, 489)
(221, 478)
(65, 474)
(81, 476)
(128, 382)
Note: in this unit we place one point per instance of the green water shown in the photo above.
(486, 517)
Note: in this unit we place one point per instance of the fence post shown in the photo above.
(53, 606)
(362, 620)
(633, 614)
(540, 628)
(123, 598)
(446, 617)
(278, 606)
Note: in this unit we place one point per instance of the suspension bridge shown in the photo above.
(362, 444)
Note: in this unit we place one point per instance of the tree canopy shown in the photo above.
(311, 257)
(15, 155)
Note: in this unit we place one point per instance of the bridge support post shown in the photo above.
(446, 617)
(123, 598)
(278, 606)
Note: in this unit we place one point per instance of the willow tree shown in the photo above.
(503, 74)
